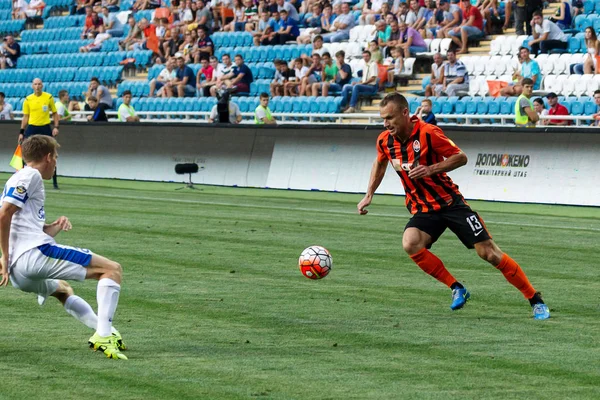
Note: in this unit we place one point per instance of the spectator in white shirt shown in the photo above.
(166, 75)
(6, 110)
(546, 35)
(367, 85)
(340, 29)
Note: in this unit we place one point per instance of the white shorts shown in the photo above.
(39, 269)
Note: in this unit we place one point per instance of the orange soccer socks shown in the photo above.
(433, 266)
(515, 275)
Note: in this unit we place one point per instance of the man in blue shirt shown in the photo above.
(424, 112)
(185, 80)
(529, 69)
(343, 77)
(242, 76)
(289, 29)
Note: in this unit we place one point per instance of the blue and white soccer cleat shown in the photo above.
(541, 311)
(459, 298)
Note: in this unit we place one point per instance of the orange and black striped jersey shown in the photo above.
(427, 145)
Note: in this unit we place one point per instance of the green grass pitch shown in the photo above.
(213, 305)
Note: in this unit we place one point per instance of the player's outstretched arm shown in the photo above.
(6, 214)
(377, 174)
(61, 224)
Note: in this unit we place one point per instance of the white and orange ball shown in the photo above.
(315, 262)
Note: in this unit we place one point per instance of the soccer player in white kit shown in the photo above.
(35, 263)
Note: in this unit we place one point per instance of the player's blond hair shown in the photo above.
(37, 147)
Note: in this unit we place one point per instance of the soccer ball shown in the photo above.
(315, 262)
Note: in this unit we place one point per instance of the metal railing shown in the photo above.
(581, 121)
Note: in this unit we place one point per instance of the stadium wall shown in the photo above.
(541, 166)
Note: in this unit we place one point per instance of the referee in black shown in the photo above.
(36, 116)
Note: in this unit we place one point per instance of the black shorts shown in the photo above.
(458, 217)
(31, 130)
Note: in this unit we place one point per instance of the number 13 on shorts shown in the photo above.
(475, 224)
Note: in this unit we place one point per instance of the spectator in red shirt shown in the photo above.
(204, 79)
(92, 22)
(471, 27)
(557, 109)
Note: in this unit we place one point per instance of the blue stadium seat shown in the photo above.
(577, 107)
(507, 106)
(590, 107)
(581, 22)
(588, 7)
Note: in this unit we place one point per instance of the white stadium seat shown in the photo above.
(545, 66)
(568, 85)
(581, 84)
(480, 65)
(496, 47)
(444, 46)
(492, 64)
(468, 61)
(354, 33)
(507, 44)
(518, 43)
(409, 64)
(560, 64)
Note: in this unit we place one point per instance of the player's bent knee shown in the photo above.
(63, 291)
(489, 252)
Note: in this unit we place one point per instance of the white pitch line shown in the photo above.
(272, 207)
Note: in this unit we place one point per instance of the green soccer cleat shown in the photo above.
(108, 345)
(119, 341)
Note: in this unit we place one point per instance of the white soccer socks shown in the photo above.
(108, 298)
(82, 311)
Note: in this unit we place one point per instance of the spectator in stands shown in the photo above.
(525, 115)
(367, 85)
(150, 40)
(262, 113)
(113, 26)
(328, 74)
(80, 7)
(411, 41)
(241, 76)
(126, 112)
(235, 115)
(314, 20)
(456, 76)
(283, 74)
(403, 12)
(290, 88)
(166, 76)
(470, 28)
(424, 112)
(145, 5)
(425, 14)
(546, 35)
(204, 16)
(596, 115)
(184, 84)
(317, 49)
(313, 75)
(92, 25)
(327, 19)
(391, 40)
(520, 16)
(340, 30)
(262, 28)
(557, 109)
(532, 6)
(204, 78)
(289, 30)
(134, 35)
(413, 12)
(342, 78)
(238, 24)
(31, 9)
(10, 51)
(376, 54)
(204, 46)
(287, 6)
(452, 17)
(437, 74)
(395, 65)
(529, 69)
(223, 74)
(96, 45)
(489, 11)
(6, 110)
(369, 11)
(64, 106)
(100, 92)
(540, 109)
(112, 5)
(99, 115)
(268, 35)
(592, 44)
(208, 83)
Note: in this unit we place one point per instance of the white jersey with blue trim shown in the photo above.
(25, 189)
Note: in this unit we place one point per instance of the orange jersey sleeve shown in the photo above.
(381, 143)
(441, 144)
